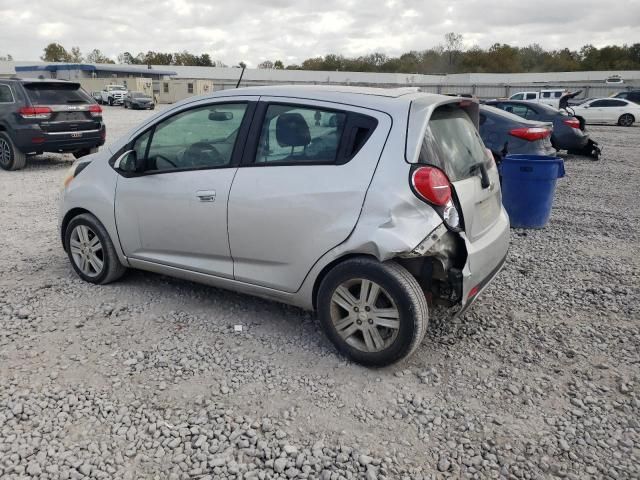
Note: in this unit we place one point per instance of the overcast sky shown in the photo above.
(292, 30)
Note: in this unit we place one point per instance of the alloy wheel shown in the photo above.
(364, 315)
(5, 152)
(87, 251)
(626, 120)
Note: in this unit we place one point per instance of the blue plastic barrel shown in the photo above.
(528, 187)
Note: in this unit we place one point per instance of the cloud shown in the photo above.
(292, 30)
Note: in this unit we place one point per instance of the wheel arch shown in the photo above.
(328, 267)
(70, 215)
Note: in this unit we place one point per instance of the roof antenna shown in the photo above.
(240, 79)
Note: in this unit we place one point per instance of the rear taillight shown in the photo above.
(531, 134)
(95, 110)
(432, 185)
(572, 122)
(35, 112)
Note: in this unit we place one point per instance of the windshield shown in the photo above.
(138, 95)
(452, 143)
(56, 93)
(116, 87)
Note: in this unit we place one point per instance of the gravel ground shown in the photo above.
(146, 378)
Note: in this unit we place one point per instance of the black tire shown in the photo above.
(401, 287)
(84, 152)
(626, 120)
(112, 268)
(10, 157)
(125, 105)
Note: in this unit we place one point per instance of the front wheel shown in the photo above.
(374, 313)
(91, 251)
(626, 120)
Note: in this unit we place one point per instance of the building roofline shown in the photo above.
(54, 67)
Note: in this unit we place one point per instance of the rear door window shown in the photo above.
(56, 94)
(452, 143)
(293, 134)
(531, 96)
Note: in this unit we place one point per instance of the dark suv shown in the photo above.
(631, 95)
(38, 116)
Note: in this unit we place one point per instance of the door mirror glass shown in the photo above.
(220, 116)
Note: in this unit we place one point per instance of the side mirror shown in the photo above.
(220, 116)
(129, 162)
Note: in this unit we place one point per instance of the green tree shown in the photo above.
(96, 56)
(76, 55)
(54, 52)
(278, 65)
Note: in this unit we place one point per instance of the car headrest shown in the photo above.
(292, 130)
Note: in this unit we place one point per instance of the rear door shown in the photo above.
(300, 189)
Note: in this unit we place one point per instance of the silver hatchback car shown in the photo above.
(366, 205)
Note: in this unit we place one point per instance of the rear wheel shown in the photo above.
(374, 313)
(10, 157)
(626, 120)
(91, 251)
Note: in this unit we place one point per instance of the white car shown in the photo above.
(362, 204)
(608, 110)
(547, 97)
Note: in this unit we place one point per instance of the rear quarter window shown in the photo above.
(452, 143)
(6, 95)
(56, 94)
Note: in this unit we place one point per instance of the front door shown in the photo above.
(175, 211)
(300, 190)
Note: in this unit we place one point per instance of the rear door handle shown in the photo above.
(206, 195)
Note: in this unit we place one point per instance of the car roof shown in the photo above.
(367, 97)
(534, 105)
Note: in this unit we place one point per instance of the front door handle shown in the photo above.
(206, 195)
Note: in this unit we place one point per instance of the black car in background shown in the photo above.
(38, 116)
(138, 100)
(631, 95)
(504, 133)
(568, 131)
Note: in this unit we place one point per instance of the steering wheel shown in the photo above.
(203, 153)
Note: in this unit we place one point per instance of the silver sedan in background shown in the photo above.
(366, 205)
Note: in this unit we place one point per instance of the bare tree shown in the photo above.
(453, 45)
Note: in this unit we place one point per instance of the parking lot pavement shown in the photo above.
(147, 377)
